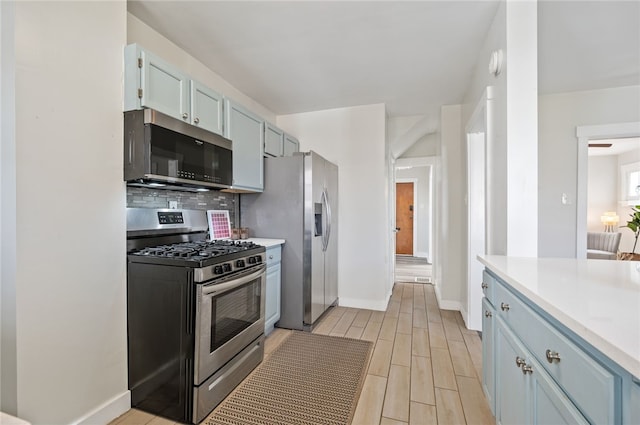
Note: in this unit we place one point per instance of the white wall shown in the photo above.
(71, 300)
(602, 189)
(8, 360)
(422, 207)
(559, 115)
(147, 37)
(354, 139)
(424, 147)
(450, 220)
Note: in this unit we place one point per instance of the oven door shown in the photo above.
(229, 316)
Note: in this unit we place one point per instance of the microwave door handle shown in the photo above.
(218, 288)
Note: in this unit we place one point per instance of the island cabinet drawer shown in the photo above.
(273, 255)
(590, 386)
(488, 283)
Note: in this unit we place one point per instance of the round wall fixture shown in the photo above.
(495, 62)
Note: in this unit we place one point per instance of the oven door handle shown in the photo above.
(217, 288)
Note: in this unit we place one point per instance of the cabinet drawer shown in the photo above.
(589, 385)
(488, 283)
(273, 255)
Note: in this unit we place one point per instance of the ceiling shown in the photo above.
(618, 146)
(413, 56)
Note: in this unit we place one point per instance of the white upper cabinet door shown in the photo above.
(245, 129)
(291, 145)
(206, 108)
(164, 88)
(273, 140)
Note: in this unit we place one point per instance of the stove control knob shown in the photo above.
(240, 263)
(252, 260)
(217, 270)
(258, 259)
(226, 267)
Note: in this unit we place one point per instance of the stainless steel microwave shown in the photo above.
(166, 153)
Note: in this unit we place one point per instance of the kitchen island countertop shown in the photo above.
(599, 300)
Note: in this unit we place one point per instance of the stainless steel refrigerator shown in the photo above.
(300, 204)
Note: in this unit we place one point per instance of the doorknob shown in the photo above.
(396, 230)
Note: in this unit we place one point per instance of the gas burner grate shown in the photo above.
(201, 250)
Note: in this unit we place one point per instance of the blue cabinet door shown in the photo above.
(164, 87)
(272, 301)
(512, 390)
(549, 404)
(291, 145)
(207, 107)
(273, 140)
(488, 358)
(245, 129)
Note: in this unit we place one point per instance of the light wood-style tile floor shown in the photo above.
(425, 368)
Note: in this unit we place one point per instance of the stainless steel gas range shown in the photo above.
(195, 313)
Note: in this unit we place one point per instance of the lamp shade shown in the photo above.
(610, 218)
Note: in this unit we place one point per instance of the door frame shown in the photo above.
(584, 133)
(478, 124)
(415, 216)
(422, 161)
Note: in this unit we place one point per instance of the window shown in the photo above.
(630, 183)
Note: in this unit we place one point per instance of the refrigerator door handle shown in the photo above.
(323, 200)
(328, 227)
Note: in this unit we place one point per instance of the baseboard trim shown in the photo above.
(463, 312)
(446, 304)
(108, 411)
(380, 305)
(421, 255)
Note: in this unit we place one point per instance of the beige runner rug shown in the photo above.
(309, 379)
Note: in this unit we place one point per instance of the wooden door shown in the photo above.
(404, 218)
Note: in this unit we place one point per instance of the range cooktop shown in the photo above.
(201, 253)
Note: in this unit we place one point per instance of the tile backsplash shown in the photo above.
(140, 197)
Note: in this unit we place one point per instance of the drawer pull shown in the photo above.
(552, 355)
(196, 120)
(504, 307)
(271, 257)
(520, 361)
(527, 369)
(487, 314)
(484, 285)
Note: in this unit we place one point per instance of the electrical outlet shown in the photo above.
(173, 205)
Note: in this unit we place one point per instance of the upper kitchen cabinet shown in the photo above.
(291, 145)
(279, 143)
(273, 140)
(246, 131)
(207, 108)
(152, 83)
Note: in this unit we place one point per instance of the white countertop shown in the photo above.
(599, 300)
(266, 242)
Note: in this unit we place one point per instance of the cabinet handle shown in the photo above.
(527, 369)
(487, 314)
(185, 116)
(271, 257)
(520, 361)
(552, 355)
(484, 285)
(504, 307)
(196, 120)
